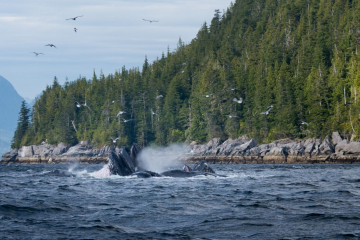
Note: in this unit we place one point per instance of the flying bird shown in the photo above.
(85, 105)
(37, 53)
(302, 122)
(114, 140)
(75, 29)
(238, 100)
(78, 104)
(207, 95)
(74, 18)
(150, 20)
(231, 116)
(124, 120)
(153, 113)
(120, 112)
(233, 89)
(50, 45)
(159, 96)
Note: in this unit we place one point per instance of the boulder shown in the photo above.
(227, 147)
(10, 155)
(326, 148)
(26, 151)
(241, 149)
(309, 147)
(336, 138)
(105, 151)
(277, 151)
(60, 149)
(346, 148)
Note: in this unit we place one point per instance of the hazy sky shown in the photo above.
(110, 34)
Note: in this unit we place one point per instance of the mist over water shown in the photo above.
(160, 159)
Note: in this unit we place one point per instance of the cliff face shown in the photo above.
(285, 151)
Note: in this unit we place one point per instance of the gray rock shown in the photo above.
(346, 148)
(10, 155)
(336, 138)
(229, 145)
(277, 151)
(295, 149)
(106, 150)
(43, 150)
(241, 149)
(26, 151)
(326, 148)
(60, 149)
(309, 147)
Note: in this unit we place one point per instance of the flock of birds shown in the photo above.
(240, 100)
(75, 30)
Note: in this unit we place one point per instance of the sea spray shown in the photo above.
(159, 159)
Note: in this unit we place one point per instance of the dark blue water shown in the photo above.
(254, 202)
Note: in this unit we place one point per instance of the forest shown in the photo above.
(300, 57)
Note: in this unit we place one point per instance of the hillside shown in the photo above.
(299, 56)
(10, 102)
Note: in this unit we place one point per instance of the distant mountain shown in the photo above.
(10, 102)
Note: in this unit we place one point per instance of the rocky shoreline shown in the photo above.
(334, 150)
(82, 153)
(331, 150)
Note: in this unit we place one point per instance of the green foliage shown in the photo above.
(299, 56)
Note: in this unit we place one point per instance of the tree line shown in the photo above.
(301, 57)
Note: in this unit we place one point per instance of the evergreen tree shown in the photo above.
(22, 127)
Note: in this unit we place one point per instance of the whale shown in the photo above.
(125, 163)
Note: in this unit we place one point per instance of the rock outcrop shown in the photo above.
(244, 150)
(61, 153)
(240, 150)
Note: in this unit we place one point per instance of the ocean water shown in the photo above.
(253, 202)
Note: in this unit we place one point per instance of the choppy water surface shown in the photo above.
(254, 202)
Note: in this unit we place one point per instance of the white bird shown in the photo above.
(114, 140)
(233, 89)
(50, 45)
(37, 53)
(238, 101)
(302, 122)
(207, 95)
(74, 18)
(159, 96)
(231, 116)
(120, 112)
(78, 104)
(153, 113)
(124, 120)
(86, 105)
(150, 20)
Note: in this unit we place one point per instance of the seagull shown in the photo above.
(266, 112)
(114, 140)
(78, 104)
(182, 64)
(233, 89)
(50, 45)
(151, 20)
(75, 29)
(159, 96)
(124, 120)
(120, 112)
(238, 101)
(207, 95)
(153, 113)
(231, 116)
(302, 122)
(37, 53)
(74, 18)
(86, 105)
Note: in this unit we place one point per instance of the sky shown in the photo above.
(111, 34)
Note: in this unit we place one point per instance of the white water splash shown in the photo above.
(102, 173)
(159, 159)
